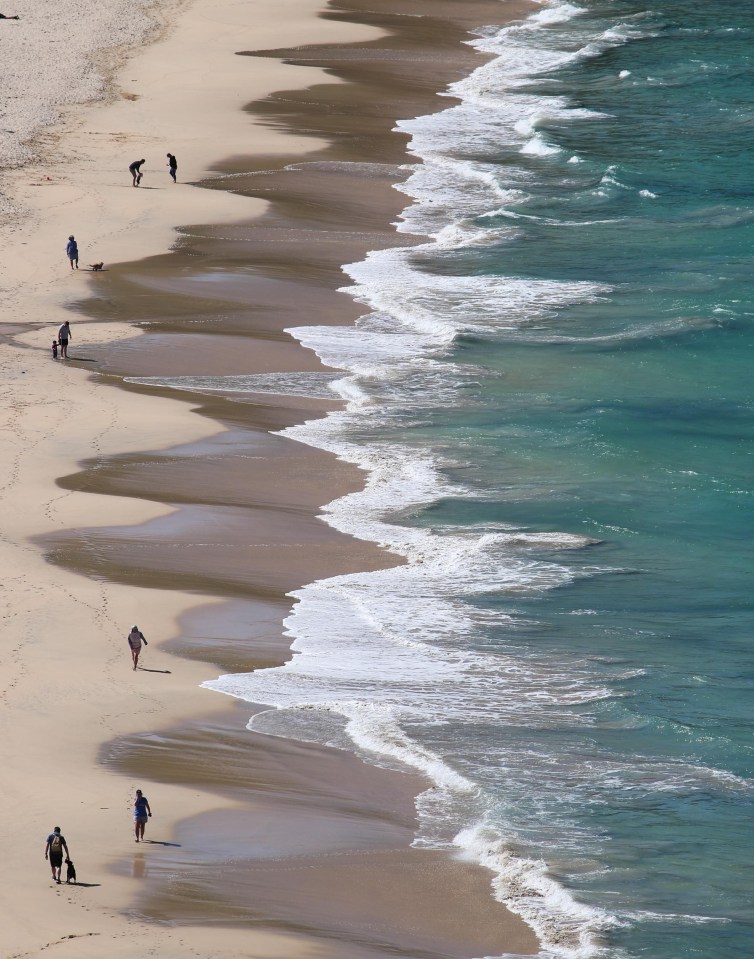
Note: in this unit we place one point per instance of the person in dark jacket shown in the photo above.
(54, 850)
(135, 170)
(135, 640)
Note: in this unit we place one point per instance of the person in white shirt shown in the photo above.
(64, 334)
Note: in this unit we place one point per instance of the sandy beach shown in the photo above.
(127, 501)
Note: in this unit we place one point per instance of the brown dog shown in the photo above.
(96, 266)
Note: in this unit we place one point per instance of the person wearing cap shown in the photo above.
(56, 846)
(135, 639)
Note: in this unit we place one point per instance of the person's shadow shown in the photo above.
(159, 842)
(145, 670)
(83, 885)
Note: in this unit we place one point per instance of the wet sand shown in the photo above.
(284, 837)
(319, 842)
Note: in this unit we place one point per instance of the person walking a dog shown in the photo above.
(142, 812)
(64, 334)
(56, 846)
(135, 171)
(135, 639)
(72, 252)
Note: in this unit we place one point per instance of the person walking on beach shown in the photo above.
(64, 334)
(173, 164)
(142, 812)
(72, 251)
(135, 171)
(54, 849)
(135, 639)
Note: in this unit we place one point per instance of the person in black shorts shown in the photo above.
(56, 846)
(135, 171)
(64, 334)
(173, 164)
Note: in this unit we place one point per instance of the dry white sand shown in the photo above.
(65, 681)
(57, 54)
(182, 94)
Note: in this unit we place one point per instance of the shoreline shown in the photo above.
(265, 416)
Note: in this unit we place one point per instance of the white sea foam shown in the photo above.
(675, 918)
(440, 307)
(567, 926)
(675, 326)
(537, 146)
(556, 13)
(383, 661)
(319, 385)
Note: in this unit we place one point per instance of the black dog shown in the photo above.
(70, 871)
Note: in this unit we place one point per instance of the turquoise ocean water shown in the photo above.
(553, 397)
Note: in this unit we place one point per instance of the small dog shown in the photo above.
(54, 349)
(96, 266)
(70, 871)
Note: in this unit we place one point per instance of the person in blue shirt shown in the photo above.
(72, 251)
(142, 812)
